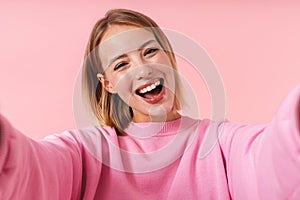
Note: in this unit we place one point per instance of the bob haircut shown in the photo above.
(109, 109)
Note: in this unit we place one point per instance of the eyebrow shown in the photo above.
(125, 55)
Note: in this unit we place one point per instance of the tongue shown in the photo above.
(152, 94)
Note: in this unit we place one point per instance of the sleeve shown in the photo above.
(263, 160)
(48, 169)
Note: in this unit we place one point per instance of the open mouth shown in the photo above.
(152, 92)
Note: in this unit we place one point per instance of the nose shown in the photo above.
(142, 69)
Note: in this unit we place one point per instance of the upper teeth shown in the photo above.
(149, 88)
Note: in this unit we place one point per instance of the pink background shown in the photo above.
(255, 46)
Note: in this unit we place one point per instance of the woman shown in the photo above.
(107, 103)
(144, 149)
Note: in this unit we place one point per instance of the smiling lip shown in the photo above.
(148, 84)
(155, 98)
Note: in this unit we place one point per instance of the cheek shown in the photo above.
(116, 80)
(164, 58)
(122, 85)
(166, 64)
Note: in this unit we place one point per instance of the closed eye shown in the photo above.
(120, 65)
(150, 51)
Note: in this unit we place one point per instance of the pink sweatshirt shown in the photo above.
(181, 159)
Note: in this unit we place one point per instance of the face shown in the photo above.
(139, 70)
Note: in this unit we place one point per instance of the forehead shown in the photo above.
(122, 39)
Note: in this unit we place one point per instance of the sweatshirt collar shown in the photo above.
(150, 129)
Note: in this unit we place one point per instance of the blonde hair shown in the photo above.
(110, 109)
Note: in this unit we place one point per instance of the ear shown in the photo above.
(106, 84)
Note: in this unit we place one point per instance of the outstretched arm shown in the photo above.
(263, 160)
(49, 169)
(278, 160)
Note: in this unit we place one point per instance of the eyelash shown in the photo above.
(150, 50)
(120, 65)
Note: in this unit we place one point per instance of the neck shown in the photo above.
(172, 115)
